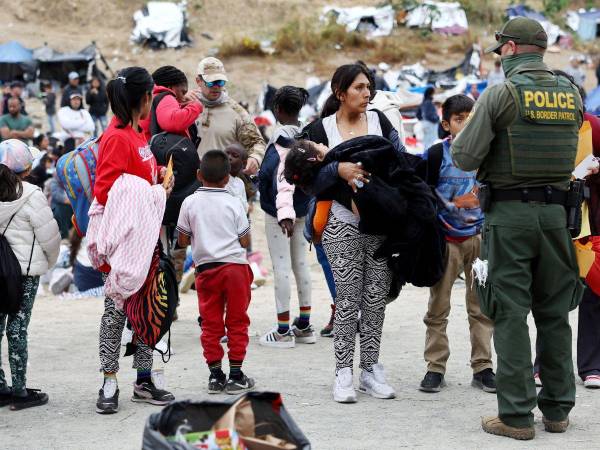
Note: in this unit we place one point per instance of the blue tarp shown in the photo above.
(16, 62)
(592, 102)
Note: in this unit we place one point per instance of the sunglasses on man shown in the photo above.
(498, 35)
(218, 83)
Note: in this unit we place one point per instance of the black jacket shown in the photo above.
(397, 203)
(97, 102)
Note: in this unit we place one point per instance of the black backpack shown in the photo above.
(11, 284)
(186, 161)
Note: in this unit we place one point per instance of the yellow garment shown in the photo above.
(585, 257)
(584, 148)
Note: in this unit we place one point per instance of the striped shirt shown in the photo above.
(215, 220)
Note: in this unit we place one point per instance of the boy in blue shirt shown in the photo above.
(461, 219)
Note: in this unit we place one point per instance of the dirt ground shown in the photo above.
(63, 349)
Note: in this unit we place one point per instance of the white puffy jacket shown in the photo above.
(32, 215)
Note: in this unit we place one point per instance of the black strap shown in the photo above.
(204, 267)
(9, 221)
(435, 155)
(30, 255)
(536, 194)
(154, 127)
(384, 122)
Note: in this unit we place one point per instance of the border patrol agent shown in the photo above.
(522, 137)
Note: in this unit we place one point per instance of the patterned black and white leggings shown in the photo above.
(362, 284)
(111, 329)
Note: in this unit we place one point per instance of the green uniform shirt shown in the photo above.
(494, 111)
(20, 123)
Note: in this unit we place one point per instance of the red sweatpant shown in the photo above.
(223, 300)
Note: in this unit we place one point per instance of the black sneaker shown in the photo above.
(239, 385)
(216, 385)
(34, 397)
(146, 392)
(433, 382)
(108, 405)
(485, 380)
(5, 398)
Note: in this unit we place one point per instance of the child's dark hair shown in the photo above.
(341, 81)
(11, 187)
(428, 94)
(302, 164)
(456, 104)
(126, 92)
(290, 99)
(215, 166)
(38, 140)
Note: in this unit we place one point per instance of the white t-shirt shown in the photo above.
(335, 138)
(235, 186)
(215, 220)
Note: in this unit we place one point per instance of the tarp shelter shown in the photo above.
(55, 66)
(371, 20)
(16, 62)
(161, 25)
(592, 102)
(553, 31)
(441, 17)
(585, 23)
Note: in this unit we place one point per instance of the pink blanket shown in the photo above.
(124, 233)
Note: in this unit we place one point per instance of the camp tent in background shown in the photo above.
(161, 25)
(55, 66)
(16, 62)
(446, 18)
(373, 21)
(585, 23)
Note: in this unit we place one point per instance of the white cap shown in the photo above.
(73, 75)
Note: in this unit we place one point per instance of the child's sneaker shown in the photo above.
(108, 397)
(343, 387)
(304, 335)
(216, 385)
(239, 385)
(375, 384)
(592, 382)
(274, 339)
(146, 392)
(34, 397)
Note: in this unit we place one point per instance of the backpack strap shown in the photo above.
(30, 256)
(8, 224)
(435, 155)
(154, 127)
(384, 122)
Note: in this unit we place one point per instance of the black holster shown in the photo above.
(485, 197)
(575, 197)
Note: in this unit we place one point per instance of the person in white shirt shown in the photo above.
(496, 76)
(76, 122)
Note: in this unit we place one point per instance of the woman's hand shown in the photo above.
(353, 174)
(287, 227)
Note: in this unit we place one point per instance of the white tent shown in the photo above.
(160, 24)
(373, 21)
(442, 17)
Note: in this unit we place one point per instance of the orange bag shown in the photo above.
(320, 219)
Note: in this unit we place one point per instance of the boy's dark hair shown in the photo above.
(290, 99)
(214, 166)
(456, 104)
(302, 164)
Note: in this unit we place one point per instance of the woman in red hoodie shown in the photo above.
(124, 149)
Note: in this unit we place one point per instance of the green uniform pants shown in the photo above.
(531, 267)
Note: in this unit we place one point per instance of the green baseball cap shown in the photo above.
(520, 30)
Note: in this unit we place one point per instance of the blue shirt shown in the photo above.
(454, 182)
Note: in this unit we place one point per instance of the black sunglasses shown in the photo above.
(498, 35)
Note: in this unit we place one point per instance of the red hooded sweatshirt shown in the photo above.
(170, 115)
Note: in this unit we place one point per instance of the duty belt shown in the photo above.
(536, 194)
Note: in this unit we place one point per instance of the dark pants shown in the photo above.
(531, 269)
(62, 213)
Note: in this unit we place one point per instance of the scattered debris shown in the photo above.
(446, 18)
(373, 21)
(161, 25)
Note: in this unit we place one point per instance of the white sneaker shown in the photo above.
(374, 383)
(158, 378)
(343, 388)
(592, 382)
(276, 340)
(127, 336)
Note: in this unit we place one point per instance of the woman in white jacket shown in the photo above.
(76, 122)
(27, 223)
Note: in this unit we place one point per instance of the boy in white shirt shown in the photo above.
(215, 223)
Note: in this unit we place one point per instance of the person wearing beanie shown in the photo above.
(177, 109)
